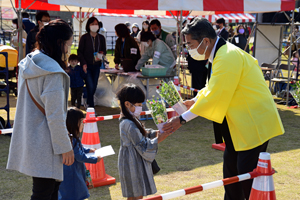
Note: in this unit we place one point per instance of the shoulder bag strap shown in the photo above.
(34, 101)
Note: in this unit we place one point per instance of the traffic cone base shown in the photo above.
(263, 186)
(90, 139)
(220, 147)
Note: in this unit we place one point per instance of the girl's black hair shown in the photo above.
(74, 115)
(51, 40)
(134, 94)
(122, 30)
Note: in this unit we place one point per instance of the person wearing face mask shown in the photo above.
(15, 37)
(40, 131)
(160, 53)
(138, 146)
(138, 38)
(240, 39)
(155, 27)
(236, 99)
(92, 47)
(77, 77)
(42, 18)
(126, 49)
(135, 30)
(221, 31)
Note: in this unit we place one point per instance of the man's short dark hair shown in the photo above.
(200, 28)
(221, 21)
(25, 15)
(40, 15)
(155, 21)
(145, 36)
(73, 57)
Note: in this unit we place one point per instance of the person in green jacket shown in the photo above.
(160, 53)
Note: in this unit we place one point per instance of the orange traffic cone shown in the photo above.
(263, 186)
(90, 139)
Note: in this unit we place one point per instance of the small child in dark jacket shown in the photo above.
(77, 75)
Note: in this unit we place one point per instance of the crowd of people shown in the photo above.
(55, 157)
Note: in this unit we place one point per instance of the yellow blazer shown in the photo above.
(237, 90)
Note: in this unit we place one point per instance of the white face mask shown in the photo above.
(146, 44)
(195, 55)
(145, 26)
(94, 28)
(138, 110)
(45, 23)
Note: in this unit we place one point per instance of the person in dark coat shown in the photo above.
(27, 23)
(221, 32)
(239, 39)
(126, 46)
(92, 46)
(42, 18)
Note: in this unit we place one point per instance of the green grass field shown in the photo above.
(186, 159)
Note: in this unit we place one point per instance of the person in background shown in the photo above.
(239, 39)
(128, 25)
(74, 186)
(166, 37)
(145, 28)
(70, 24)
(230, 32)
(92, 47)
(40, 144)
(295, 61)
(126, 46)
(15, 37)
(42, 18)
(27, 23)
(198, 70)
(77, 75)
(102, 30)
(160, 53)
(221, 31)
(135, 30)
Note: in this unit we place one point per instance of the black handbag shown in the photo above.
(155, 167)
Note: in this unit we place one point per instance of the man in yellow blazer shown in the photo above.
(236, 99)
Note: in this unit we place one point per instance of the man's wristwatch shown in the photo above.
(182, 121)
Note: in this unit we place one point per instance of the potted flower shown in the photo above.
(158, 112)
(170, 94)
(296, 92)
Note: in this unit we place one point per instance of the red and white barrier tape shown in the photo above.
(187, 87)
(6, 131)
(206, 186)
(109, 117)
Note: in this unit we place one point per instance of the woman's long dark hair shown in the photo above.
(52, 38)
(122, 30)
(134, 94)
(74, 115)
(146, 22)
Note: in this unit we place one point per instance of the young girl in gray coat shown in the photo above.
(138, 146)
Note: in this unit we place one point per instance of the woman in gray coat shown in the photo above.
(40, 144)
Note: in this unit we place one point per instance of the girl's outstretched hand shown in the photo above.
(92, 150)
(99, 158)
(161, 136)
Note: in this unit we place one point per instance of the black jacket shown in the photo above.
(224, 34)
(131, 50)
(86, 48)
(242, 41)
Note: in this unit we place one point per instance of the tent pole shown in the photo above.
(20, 42)
(289, 61)
(80, 23)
